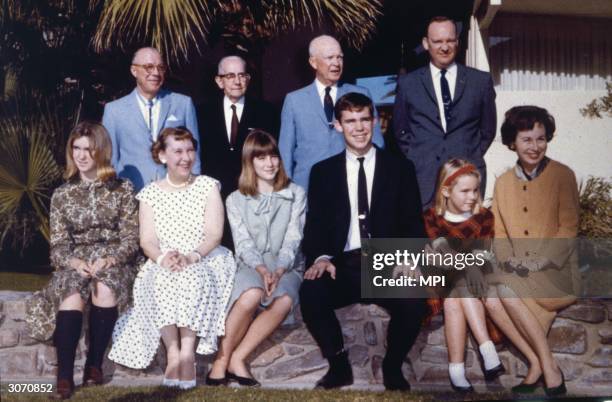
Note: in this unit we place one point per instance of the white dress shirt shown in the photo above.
(144, 109)
(352, 176)
(321, 91)
(451, 77)
(227, 111)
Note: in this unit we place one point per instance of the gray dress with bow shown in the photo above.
(268, 229)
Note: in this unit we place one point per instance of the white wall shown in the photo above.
(583, 144)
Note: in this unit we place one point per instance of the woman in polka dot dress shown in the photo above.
(182, 291)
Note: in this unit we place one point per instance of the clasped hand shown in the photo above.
(270, 279)
(90, 269)
(175, 261)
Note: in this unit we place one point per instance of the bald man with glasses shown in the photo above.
(135, 120)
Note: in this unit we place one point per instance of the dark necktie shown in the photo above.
(150, 106)
(234, 127)
(362, 201)
(328, 105)
(446, 96)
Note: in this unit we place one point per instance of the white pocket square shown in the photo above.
(172, 118)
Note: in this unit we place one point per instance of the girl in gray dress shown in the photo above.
(266, 215)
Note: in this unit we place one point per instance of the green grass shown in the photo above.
(22, 282)
(153, 394)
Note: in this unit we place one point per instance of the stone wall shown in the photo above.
(581, 338)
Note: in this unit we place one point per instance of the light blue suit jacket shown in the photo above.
(305, 135)
(132, 140)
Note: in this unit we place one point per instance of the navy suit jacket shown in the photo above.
(132, 140)
(306, 137)
(419, 131)
(395, 210)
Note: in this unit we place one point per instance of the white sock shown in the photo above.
(456, 371)
(187, 384)
(489, 355)
(167, 382)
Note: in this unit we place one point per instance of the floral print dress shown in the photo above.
(89, 220)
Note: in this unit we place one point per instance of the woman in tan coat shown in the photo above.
(536, 221)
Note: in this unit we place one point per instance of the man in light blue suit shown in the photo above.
(135, 120)
(307, 134)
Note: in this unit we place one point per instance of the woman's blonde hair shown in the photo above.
(448, 175)
(100, 150)
(259, 143)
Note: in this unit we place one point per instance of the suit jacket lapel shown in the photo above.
(345, 207)
(221, 123)
(428, 84)
(317, 103)
(245, 120)
(379, 178)
(166, 101)
(134, 110)
(460, 83)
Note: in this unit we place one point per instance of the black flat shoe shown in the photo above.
(215, 382)
(558, 390)
(495, 372)
(525, 388)
(462, 390)
(244, 381)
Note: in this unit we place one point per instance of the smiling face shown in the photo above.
(179, 157)
(266, 167)
(357, 127)
(83, 158)
(149, 71)
(463, 195)
(327, 60)
(232, 78)
(530, 146)
(441, 42)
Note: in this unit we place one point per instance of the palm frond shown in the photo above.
(176, 26)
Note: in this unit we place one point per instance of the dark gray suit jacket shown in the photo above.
(419, 131)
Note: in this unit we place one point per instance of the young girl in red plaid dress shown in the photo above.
(457, 223)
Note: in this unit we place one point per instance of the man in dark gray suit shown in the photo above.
(444, 110)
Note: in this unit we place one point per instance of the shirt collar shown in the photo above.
(321, 87)
(523, 175)
(145, 100)
(368, 156)
(227, 102)
(450, 70)
(456, 218)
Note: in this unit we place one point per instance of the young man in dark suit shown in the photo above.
(362, 192)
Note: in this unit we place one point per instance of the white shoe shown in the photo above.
(167, 382)
(187, 384)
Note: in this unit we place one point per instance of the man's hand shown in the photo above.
(319, 268)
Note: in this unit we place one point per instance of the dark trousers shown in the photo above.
(320, 297)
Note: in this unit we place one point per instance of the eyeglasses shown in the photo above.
(232, 76)
(162, 68)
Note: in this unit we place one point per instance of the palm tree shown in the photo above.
(176, 26)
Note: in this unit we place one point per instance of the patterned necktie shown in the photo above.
(150, 107)
(234, 127)
(362, 201)
(328, 105)
(446, 96)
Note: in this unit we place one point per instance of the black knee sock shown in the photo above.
(101, 323)
(66, 338)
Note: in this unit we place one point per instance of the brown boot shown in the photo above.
(92, 376)
(63, 389)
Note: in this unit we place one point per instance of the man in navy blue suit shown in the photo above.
(307, 133)
(444, 110)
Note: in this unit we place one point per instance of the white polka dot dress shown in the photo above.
(195, 298)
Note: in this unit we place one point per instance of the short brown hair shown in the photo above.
(179, 134)
(353, 101)
(100, 150)
(524, 118)
(259, 143)
(440, 18)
